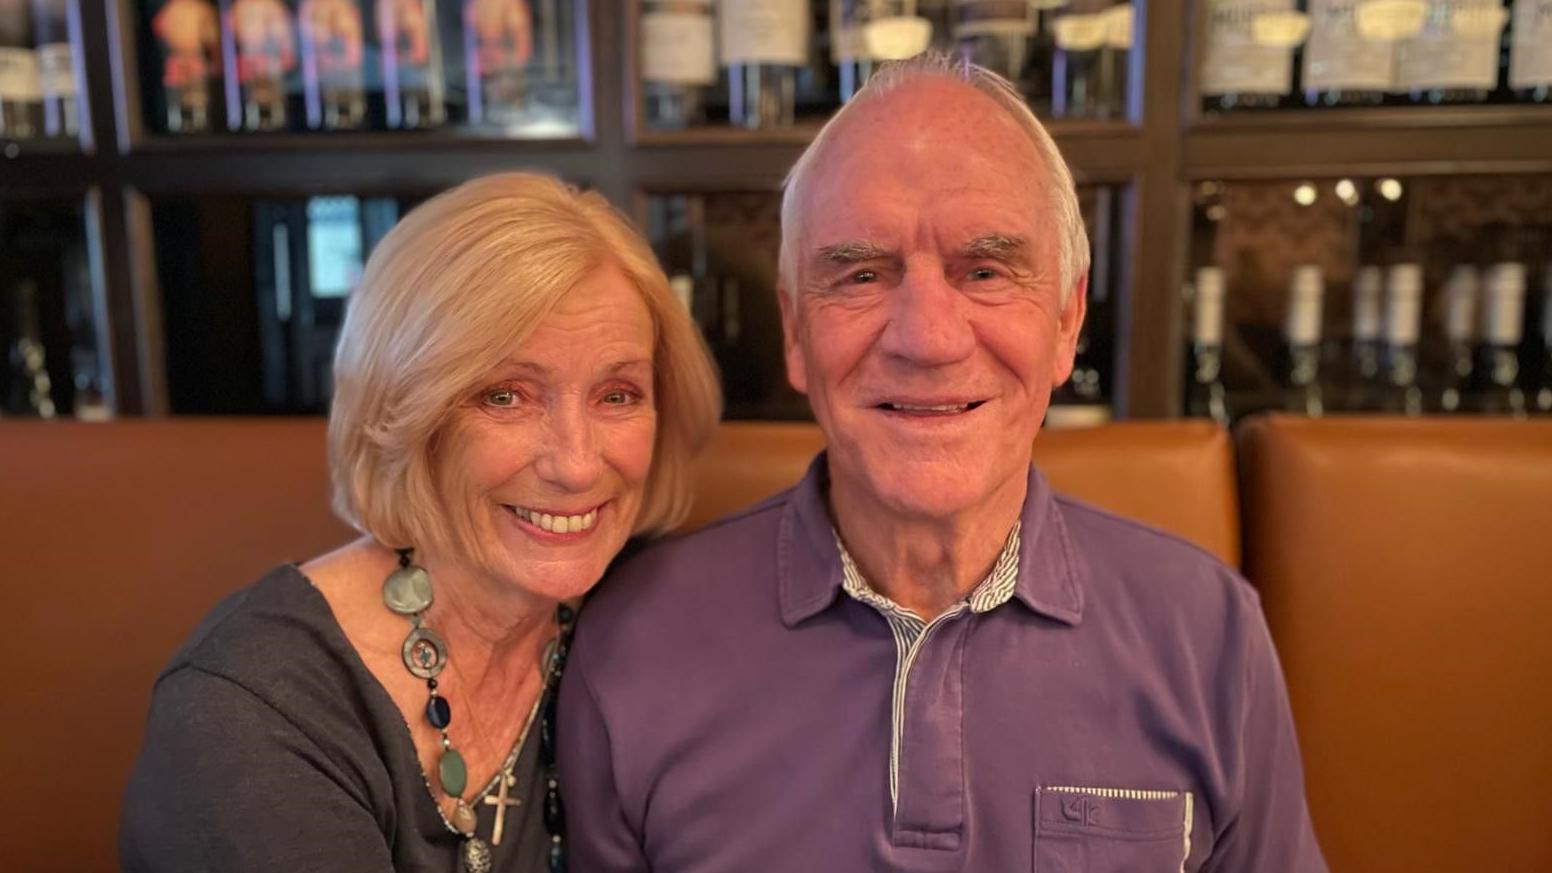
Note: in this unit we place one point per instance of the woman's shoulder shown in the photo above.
(272, 637)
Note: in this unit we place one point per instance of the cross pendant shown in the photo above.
(501, 801)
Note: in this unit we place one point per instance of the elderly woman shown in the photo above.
(516, 393)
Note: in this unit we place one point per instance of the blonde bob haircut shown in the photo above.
(445, 296)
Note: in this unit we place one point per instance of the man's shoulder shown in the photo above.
(1126, 558)
(714, 562)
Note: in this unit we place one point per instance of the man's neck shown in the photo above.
(924, 563)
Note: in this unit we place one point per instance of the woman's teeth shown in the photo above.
(557, 523)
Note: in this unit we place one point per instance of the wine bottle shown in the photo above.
(1093, 42)
(678, 62)
(1302, 390)
(1530, 65)
(998, 35)
(188, 37)
(333, 42)
(498, 40)
(1403, 315)
(1460, 302)
(1341, 67)
(764, 44)
(1456, 57)
(1248, 59)
(1497, 374)
(21, 91)
(260, 50)
(414, 85)
(1363, 376)
(1205, 394)
(866, 33)
(58, 31)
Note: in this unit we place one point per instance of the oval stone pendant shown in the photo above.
(407, 590)
(476, 856)
(452, 772)
(464, 819)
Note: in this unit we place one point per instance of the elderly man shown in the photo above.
(921, 658)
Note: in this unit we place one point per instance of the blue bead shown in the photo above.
(439, 713)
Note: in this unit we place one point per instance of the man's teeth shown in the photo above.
(907, 407)
(557, 523)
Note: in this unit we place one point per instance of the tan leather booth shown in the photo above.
(119, 536)
(1406, 571)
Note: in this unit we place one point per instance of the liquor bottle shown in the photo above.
(1341, 67)
(1496, 378)
(58, 32)
(1530, 64)
(332, 52)
(1403, 315)
(1093, 42)
(1460, 302)
(333, 42)
(1248, 59)
(1205, 394)
(1363, 376)
(260, 51)
(1000, 36)
(1301, 342)
(678, 61)
(764, 43)
(1455, 58)
(414, 89)
(498, 44)
(21, 92)
(866, 33)
(188, 35)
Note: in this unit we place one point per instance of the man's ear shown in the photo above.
(1068, 325)
(797, 373)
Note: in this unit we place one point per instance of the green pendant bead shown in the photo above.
(453, 773)
(407, 590)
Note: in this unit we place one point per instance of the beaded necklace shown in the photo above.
(407, 591)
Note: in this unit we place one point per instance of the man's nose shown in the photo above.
(929, 321)
(572, 459)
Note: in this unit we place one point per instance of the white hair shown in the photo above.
(1073, 243)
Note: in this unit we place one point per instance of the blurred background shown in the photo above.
(1319, 206)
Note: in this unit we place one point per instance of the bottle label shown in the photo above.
(56, 70)
(994, 17)
(19, 75)
(1457, 48)
(188, 32)
(1460, 299)
(765, 32)
(332, 37)
(1082, 33)
(1120, 27)
(1366, 305)
(266, 48)
(1402, 319)
(1530, 63)
(1207, 320)
(1390, 20)
(676, 46)
(1234, 62)
(1338, 58)
(877, 30)
(1503, 322)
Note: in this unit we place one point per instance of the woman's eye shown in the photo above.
(619, 398)
(501, 397)
(863, 277)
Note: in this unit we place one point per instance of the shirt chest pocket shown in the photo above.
(1111, 830)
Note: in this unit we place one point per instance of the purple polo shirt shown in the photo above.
(727, 707)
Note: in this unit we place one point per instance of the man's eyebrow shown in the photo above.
(994, 245)
(853, 252)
